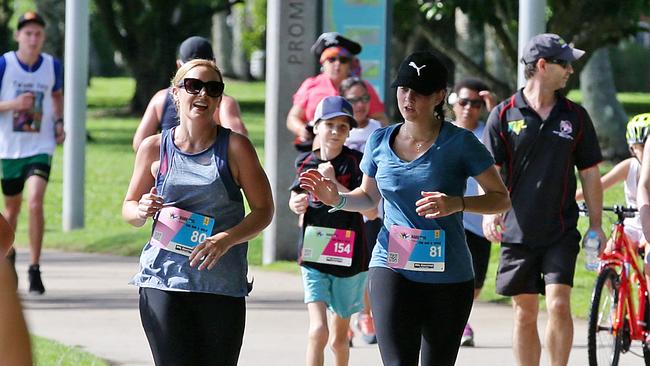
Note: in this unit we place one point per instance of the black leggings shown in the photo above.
(191, 328)
(409, 315)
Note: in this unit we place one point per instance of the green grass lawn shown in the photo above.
(50, 353)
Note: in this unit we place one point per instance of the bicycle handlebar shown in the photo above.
(621, 211)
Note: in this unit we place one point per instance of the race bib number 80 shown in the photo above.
(180, 231)
(416, 250)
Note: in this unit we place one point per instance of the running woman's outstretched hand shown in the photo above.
(324, 189)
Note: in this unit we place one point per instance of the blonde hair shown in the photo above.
(186, 67)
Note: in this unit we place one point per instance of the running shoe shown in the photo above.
(35, 282)
(366, 326)
(467, 340)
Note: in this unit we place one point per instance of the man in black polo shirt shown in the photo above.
(538, 138)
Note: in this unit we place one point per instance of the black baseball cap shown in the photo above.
(423, 72)
(549, 46)
(195, 47)
(30, 17)
(331, 107)
(332, 39)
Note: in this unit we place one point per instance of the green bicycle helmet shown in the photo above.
(638, 129)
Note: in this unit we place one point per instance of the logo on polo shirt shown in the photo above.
(516, 126)
(566, 128)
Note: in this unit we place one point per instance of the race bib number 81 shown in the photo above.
(416, 250)
(180, 231)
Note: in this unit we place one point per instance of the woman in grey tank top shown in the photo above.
(192, 275)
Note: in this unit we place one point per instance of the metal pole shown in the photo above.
(75, 81)
(532, 21)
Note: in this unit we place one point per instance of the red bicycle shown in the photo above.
(619, 312)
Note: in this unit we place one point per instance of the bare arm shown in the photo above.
(494, 199)
(593, 192)
(6, 236)
(363, 198)
(296, 122)
(22, 102)
(229, 115)
(14, 338)
(617, 174)
(643, 193)
(141, 200)
(57, 106)
(248, 173)
(151, 119)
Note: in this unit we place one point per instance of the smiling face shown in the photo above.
(201, 105)
(360, 100)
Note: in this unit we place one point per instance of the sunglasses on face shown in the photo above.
(474, 103)
(362, 99)
(343, 60)
(213, 88)
(563, 63)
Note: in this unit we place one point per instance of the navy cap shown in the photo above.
(333, 39)
(423, 72)
(331, 107)
(549, 46)
(30, 17)
(195, 47)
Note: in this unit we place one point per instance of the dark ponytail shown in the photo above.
(439, 111)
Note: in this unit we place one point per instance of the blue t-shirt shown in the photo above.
(456, 155)
(472, 221)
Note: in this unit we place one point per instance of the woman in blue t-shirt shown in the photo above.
(421, 278)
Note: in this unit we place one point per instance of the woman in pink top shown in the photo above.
(337, 57)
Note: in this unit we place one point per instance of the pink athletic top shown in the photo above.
(315, 88)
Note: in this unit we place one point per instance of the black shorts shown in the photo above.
(16, 171)
(480, 249)
(527, 270)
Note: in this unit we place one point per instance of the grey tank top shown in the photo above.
(200, 183)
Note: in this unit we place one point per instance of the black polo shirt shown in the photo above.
(538, 160)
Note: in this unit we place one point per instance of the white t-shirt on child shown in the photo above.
(633, 224)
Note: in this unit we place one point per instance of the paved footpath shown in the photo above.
(89, 304)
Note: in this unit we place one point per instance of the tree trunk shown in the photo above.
(239, 60)
(599, 98)
(470, 40)
(496, 64)
(222, 43)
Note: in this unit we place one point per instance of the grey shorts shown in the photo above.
(527, 270)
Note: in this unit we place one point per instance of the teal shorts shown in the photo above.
(343, 295)
(16, 171)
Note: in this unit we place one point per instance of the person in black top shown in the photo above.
(537, 138)
(332, 254)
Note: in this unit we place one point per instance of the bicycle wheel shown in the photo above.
(603, 346)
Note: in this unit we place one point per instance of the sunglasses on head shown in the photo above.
(474, 103)
(342, 59)
(363, 99)
(213, 88)
(563, 63)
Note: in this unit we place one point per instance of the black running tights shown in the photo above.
(190, 328)
(410, 315)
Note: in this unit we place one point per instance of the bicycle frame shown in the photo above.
(624, 260)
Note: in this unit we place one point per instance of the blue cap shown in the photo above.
(334, 106)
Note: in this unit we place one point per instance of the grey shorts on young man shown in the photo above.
(527, 270)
